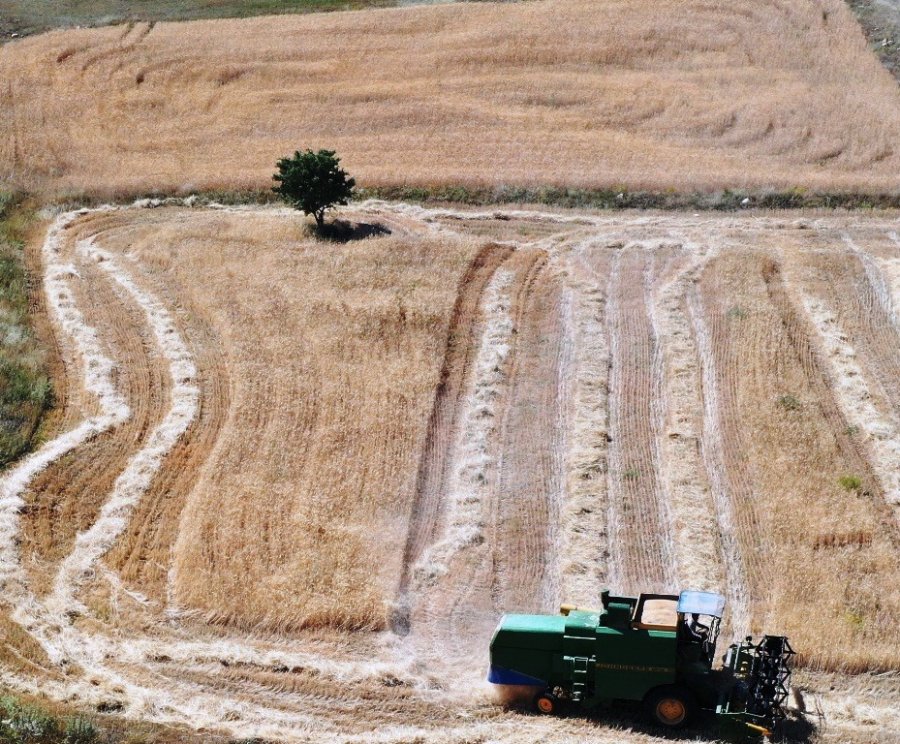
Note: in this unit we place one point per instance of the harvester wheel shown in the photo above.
(671, 706)
(546, 704)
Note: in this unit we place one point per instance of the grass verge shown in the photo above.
(23, 723)
(551, 196)
(27, 720)
(26, 17)
(880, 21)
(25, 389)
(726, 200)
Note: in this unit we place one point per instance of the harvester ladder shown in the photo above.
(580, 666)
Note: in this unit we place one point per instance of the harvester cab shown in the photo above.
(699, 615)
(655, 648)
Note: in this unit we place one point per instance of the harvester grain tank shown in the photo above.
(656, 648)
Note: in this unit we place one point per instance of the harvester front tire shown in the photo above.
(546, 704)
(671, 707)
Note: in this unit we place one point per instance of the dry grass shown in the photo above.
(397, 436)
(792, 510)
(333, 356)
(820, 562)
(681, 94)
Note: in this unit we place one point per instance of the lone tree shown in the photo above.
(313, 182)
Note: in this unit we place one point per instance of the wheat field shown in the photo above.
(296, 483)
(679, 95)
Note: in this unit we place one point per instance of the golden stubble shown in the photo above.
(680, 94)
(333, 354)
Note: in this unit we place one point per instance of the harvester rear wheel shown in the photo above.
(546, 704)
(670, 706)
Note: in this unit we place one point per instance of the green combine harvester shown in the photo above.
(657, 648)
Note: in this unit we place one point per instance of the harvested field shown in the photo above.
(297, 483)
(676, 95)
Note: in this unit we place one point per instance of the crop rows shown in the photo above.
(293, 484)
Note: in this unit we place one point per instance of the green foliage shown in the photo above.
(25, 724)
(850, 482)
(28, 724)
(670, 199)
(25, 390)
(313, 182)
(81, 731)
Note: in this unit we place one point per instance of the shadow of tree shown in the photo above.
(341, 231)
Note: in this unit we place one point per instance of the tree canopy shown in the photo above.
(313, 182)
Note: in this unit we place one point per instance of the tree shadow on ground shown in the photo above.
(342, 231)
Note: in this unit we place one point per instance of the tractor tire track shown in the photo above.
(457, 576)
(859, 403)
(142, 555)
(531, 441)
(435, 461)
(723, 448)
(138, 475)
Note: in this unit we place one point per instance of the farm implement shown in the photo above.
(658, 649)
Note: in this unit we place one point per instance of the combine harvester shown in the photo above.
(658, 649)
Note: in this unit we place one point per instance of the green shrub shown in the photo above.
(26, 724)
(850, 482)
(81, 730)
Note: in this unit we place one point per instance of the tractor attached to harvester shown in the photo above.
(658, 649)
